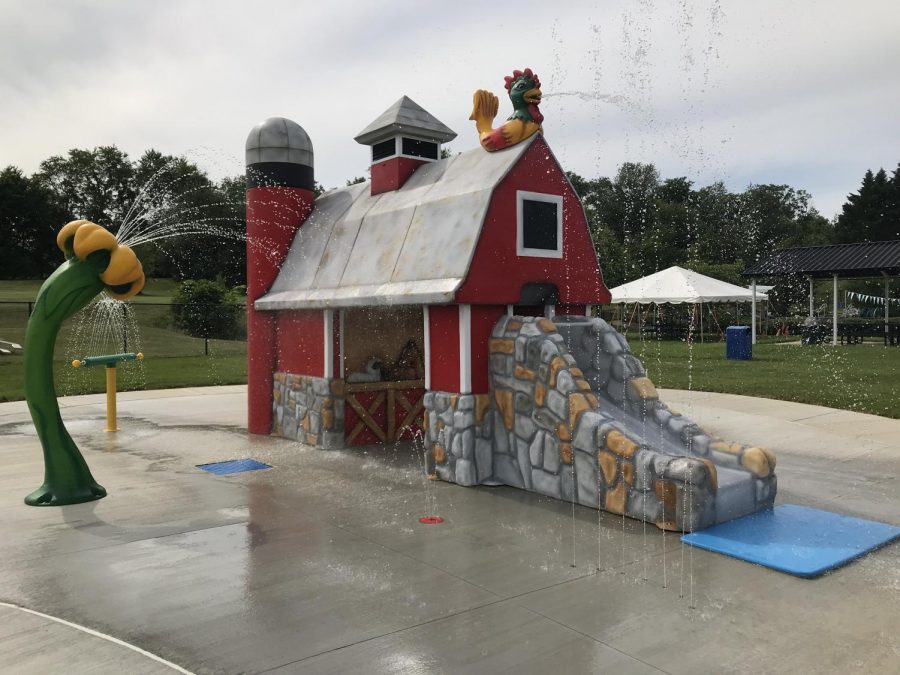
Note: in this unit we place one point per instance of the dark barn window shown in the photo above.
(384, 149)
(417, 148)
(539, 225)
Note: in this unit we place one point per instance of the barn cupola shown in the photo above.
(403, 137)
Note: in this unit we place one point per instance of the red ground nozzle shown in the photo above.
(431, 520)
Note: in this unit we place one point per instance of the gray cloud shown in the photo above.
(803, 93)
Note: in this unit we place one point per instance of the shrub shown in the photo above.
(207, 309)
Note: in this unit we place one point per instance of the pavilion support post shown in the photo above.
(834, 313)
(753, 312)
(810, 297)
(887, 311)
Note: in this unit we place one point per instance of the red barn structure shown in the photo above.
(450, 297)
(415, 265)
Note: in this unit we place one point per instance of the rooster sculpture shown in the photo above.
(524, 89)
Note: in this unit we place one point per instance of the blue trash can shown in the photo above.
(738, 343)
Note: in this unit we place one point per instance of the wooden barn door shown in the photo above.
(383, 412)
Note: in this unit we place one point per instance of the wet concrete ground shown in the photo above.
(319, 565)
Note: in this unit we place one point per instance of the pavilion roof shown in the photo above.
(866, 259)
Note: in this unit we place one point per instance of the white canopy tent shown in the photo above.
(677, 285)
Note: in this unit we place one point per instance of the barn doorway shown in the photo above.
(384, 373)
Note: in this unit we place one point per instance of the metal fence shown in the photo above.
(110, 327)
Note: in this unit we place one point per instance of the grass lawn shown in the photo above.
(864, 378)
(172, 358)
(25, 290)
(159, 373)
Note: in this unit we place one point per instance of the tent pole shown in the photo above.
(834, 296)
(701, 322)
(753, 312)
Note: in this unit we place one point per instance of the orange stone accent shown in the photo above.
(512, 324)
(667, 493)
(524, 373)
(501, 346)
(555, 366)
(279, 377)
(583, 385)
(337, 387)
(563, 432)
(755, 460)
(327, 419)
(440, 424)
(615, 499)
(565, 453)
(277, 395)
(540, 393)
(440, 456)
(607, 463)
(454, 399)
(311, 439)
(722, 446)
(628, 472)
(577, 405)
(575, 372)
(306, 423)
(504, 400)
(643, 388)
(713, 475)
(482, 405)
(592, 400)
(546, 325)
(425, 421)
(621, 445)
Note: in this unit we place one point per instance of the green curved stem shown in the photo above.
(67, 478)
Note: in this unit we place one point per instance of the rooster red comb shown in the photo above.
(509, 79)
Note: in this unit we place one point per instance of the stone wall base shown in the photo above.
(308, 409)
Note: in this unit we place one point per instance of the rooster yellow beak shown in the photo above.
(533, 96)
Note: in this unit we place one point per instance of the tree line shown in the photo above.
(640, 222)
(105, 186)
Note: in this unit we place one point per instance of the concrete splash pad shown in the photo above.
(320, 564)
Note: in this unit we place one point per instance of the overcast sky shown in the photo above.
(764, 91)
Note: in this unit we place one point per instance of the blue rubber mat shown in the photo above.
(233, 466)
(795, 539)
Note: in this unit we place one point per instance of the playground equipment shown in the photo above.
(110, 361)
(483, 261)
(94, 262)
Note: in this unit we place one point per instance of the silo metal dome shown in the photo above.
(279, 139)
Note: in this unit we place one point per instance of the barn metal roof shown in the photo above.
(405, 116)
(847, 260)
(408, 246)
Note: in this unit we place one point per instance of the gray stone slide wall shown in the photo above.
(572, 414)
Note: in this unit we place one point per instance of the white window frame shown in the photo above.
(521, 196)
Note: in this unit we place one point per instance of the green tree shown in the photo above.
(30, 217)
(207, 309)
(870, 214)
(97, 184)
